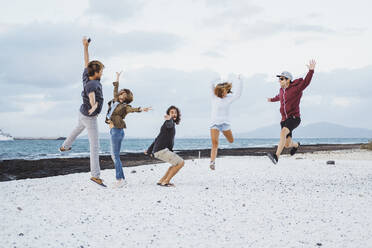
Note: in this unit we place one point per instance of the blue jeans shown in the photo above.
(117, 136)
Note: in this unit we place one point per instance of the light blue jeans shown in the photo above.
(117, 136)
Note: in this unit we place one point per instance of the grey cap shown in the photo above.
(286, 74)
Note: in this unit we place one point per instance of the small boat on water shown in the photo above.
(5, 136)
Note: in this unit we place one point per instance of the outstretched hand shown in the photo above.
(147, 109)
(311, 64)
(269, 99)
(118, 75)
(85, 42)
(167, 117)
(111, 124)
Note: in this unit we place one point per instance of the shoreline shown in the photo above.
(23, 169)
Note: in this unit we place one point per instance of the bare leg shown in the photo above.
(173, 171)
(165, 176)
(229, 136)
(289, 143)
(283, 136)
(214, 136)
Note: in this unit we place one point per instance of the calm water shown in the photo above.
(39, 149)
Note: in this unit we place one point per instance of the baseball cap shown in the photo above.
(286, 75)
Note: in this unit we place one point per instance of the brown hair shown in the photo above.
(220, 88)
(178, 119)
(129, 97)
(93, 67)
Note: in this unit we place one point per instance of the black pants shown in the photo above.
(291, 123)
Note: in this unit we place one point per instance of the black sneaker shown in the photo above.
(294, 149)
(273, 157)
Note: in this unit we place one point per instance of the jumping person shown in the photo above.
(89, 110)
(118, 109)
(162, 147)
(289, 96)
(222, 97)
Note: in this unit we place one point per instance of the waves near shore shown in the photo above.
(42, 149)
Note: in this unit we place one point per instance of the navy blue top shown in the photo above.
(88, 87)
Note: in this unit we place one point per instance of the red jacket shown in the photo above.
(290, 97)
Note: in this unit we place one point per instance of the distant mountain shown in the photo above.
(316, 130)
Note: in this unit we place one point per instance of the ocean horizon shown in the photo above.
(44, 149)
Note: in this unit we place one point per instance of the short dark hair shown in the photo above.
(129, 97)
(94, 66)
(178, 119)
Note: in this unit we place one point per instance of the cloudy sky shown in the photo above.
(170, 50)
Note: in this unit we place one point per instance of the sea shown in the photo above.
(43, 149)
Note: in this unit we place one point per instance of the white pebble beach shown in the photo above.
(245, 202)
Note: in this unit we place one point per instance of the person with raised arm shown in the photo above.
(92, 97)
(162, 147)
(222, 98)
(118, 109)
(290, 94)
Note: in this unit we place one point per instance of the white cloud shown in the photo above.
(115, 10)
(171, 49)
(213, 54)
(312, 100)
(344, 101)
(231, 13)
(50, 55)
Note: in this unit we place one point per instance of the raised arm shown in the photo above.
(116, 91)
(86, 53)
(237, 89)
(116, 86)
(169, 123)
(309, 75)
(213, 85)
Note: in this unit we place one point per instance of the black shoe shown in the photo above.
(294, 149)
(273, 157)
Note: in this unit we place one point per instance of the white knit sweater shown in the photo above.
(221, 106)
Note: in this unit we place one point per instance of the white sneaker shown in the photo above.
(120, 183)
(212, 165)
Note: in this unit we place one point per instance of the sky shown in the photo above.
(170, 51)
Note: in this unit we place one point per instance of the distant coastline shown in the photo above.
(46, 148)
